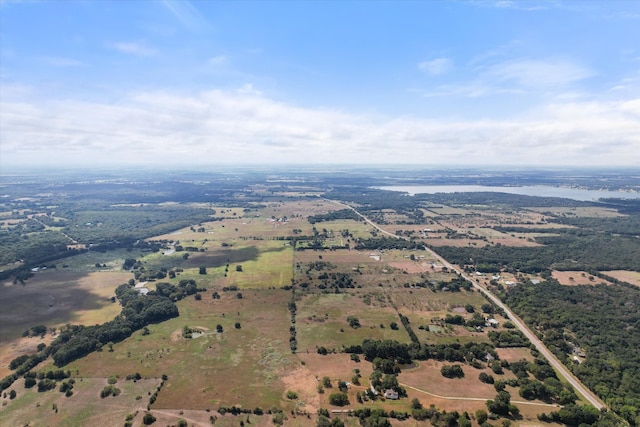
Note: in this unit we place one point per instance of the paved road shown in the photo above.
(553, 360)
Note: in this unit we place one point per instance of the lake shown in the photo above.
(538, 190)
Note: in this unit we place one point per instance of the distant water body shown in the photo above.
(539, 190)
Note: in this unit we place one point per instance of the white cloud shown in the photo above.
(537, 73)
(187, 14)
(248, 89)
(133, 48)
(244, 127)
(632, 106)
(436, 66)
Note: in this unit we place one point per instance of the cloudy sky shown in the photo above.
(177, 82)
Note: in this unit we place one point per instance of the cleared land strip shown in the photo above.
(553, 360)
(477, 399)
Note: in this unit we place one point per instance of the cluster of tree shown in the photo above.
(377, 417)
(293, 310)
(452, 371)
(601, 320)
(109, 390)
(380, 243)
(336, 281)
(335, 215)
(574, 415)
(570, 249)
(402, 353)
(185, 288)
(33, 247)
(509, 338)
(75, 341)
(126, 224)
(454, 285)
(372, 201)
(501, 405)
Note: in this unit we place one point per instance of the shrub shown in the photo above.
(148, 419)
(338, 399)
(454, 371)
(292, 395)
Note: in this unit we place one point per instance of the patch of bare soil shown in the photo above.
(632, 277)
(576, 278)
(304, 383)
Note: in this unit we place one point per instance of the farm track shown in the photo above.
(540, 346)
(477, 399)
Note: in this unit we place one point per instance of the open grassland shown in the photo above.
(463, 394)
(322, 321)
(448, 210)
(109, 260)
(463, 242)
(272, 267)
(55, 298)
(358, 229)
(239, 366)
(576, 278)
(592, 212)
(632, 277)
(84, 407)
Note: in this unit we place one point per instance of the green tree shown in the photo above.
(481, 416)
(326, 382)
(148, 419)
(339, 399)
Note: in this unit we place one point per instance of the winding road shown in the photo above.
(580, 388)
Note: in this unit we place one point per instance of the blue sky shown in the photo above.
(498, 83)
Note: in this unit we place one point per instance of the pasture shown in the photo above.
(82, 408)
(576, 278)
(238, 366)
(632, 277)
(239, 353)
(55, 298)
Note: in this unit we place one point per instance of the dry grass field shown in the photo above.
(632, 277)
(240, 366)
(575, 278)
(84, 407)
(249, 363)
(54, 298)
(593, 212)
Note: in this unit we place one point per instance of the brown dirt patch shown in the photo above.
(632, 277)
(514, 354)
(304, 383)
(576, 278)
(410, 266)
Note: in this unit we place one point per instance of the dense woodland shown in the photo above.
(602, 320)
